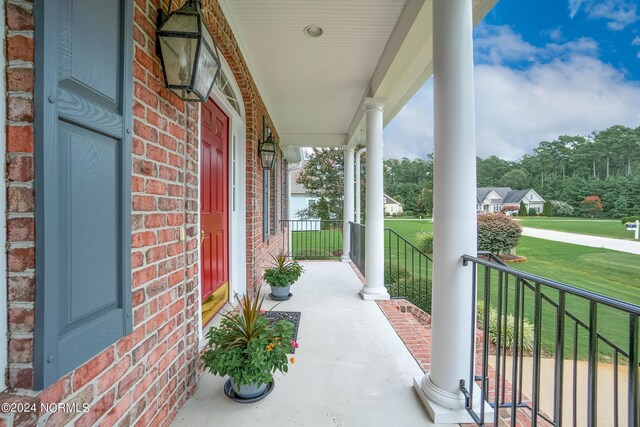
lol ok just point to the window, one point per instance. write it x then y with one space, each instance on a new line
224 86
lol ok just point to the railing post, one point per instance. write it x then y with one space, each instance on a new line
634 405
348 203
592 399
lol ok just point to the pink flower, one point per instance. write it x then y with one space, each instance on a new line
263 311
294 344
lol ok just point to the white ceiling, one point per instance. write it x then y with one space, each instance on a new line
313 85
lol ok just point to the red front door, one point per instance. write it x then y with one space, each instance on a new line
214 196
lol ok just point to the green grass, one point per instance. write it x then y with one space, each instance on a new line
594 227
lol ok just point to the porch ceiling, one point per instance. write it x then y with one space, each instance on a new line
314 87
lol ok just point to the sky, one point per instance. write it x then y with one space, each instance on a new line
543 68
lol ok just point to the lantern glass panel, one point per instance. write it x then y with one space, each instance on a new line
178 55
206 71
184 20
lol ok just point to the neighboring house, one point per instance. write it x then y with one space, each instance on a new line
493 199
392 207
300 200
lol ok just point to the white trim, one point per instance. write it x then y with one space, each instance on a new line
3 201
237 218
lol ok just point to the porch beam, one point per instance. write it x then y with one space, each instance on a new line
454 215
374 232
348 203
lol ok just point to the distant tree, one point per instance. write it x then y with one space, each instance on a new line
323 177
547 210
523 209
560 208
509 208
518 179
592 206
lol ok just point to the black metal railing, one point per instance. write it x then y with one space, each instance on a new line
407 270
356 241
311 239
545 355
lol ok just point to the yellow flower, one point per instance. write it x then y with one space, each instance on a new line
292 360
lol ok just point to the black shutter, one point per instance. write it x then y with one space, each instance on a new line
265 205
84 54
274 230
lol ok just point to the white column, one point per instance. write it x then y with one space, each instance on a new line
348 203
358 189
374 230
454 214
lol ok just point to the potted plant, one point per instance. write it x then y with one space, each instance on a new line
249 349
282 275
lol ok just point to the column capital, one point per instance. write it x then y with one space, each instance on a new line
375 103
347 148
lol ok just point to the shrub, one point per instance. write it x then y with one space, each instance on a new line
627 219
560 208
425 241
310 254
532 212
523 210
497 233
547 210
408 213
509 208
592 206
507 329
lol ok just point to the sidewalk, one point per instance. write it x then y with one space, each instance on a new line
629 246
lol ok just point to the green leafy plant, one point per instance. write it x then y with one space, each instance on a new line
425 241
507 329
284 272
630 219
497 233
309 254
247 346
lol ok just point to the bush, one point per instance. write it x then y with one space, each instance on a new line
425 241
309 254
559 208
532 212
497 233
523 210
408 213
547 210
627 219
507 329
509 208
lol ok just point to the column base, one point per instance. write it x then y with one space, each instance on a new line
367 295
447 408
345 258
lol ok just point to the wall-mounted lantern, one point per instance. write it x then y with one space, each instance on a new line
267 148
189 56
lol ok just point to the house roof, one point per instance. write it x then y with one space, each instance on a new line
506 194
388 200
314 88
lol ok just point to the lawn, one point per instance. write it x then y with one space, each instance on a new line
611 273
594 227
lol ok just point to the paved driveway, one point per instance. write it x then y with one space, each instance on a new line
632 247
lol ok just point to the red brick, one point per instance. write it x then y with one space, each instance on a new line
55 393
92 368
144 348
138 297
143 203
127 343
156 355
156 153
20 169
20 80
142 239
96 410
117 412
20 139
176 131
156 187
176 278
141 277
21 229
174 249
20 350
19 109
137 184
137 259
156 120
21 377
110 377
145 61
168 173
144 131
156 254
176 161
155 220
19 18
156 321
20 199
21 319
21 288
143 385
175 219
145 95
175 190
137 146
21 259
166 204
176 307
144 167
20 47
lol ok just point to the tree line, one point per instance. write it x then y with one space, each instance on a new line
605 163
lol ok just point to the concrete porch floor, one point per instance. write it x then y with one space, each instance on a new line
351 369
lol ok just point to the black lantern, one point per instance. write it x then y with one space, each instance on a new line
267 148
189 56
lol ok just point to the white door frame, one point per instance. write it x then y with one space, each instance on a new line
237 169
3 200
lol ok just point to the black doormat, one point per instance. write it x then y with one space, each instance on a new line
291 316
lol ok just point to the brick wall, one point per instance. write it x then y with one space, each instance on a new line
145 377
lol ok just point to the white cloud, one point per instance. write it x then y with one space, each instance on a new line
499 43
618 13
564 89
635 42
